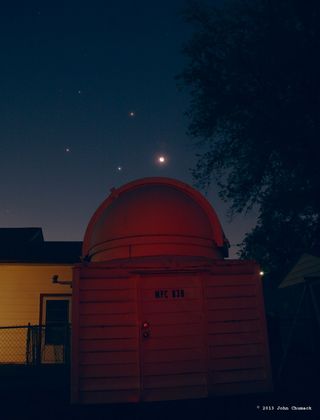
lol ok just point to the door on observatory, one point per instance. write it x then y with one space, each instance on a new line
172 345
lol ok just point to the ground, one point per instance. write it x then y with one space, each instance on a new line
34 404
32 393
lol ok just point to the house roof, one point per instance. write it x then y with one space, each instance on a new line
25 235
28 245
307 266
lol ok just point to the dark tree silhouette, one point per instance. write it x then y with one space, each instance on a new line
253 73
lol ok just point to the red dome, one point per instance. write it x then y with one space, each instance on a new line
154 216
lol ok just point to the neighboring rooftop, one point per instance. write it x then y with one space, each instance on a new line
28 245
308 265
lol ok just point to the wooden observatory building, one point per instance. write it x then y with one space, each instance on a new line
158 313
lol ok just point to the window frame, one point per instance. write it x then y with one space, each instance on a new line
52 296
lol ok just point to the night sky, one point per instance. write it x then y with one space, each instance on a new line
88 101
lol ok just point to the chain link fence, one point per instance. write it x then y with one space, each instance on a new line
35 344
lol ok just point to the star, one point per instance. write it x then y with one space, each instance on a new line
119 168
79 92
67 150
132 114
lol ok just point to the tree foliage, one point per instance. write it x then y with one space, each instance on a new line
253 74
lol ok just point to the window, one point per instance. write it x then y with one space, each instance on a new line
57 321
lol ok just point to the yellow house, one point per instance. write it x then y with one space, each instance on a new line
34 311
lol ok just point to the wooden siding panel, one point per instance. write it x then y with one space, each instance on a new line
186 305
105 357
234 326
169 281
105 283
173 342
107 340
109 370
107 295
236 351
235 363
119 344
239 376
191 339
105 320
169 368
233 268
237 343
177 318
174 393
98 307
104 332
233 314
176 329
235 338
231 280
232 303
172 355
231 291
170 381
109 384
93 271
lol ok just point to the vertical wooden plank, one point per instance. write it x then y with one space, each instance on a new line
264 331
173 294
229 341
202 280
137 283
75 394
109 341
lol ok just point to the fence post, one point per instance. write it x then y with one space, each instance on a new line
39 345
28 345
67 347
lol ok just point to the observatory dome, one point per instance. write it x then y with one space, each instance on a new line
153 217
